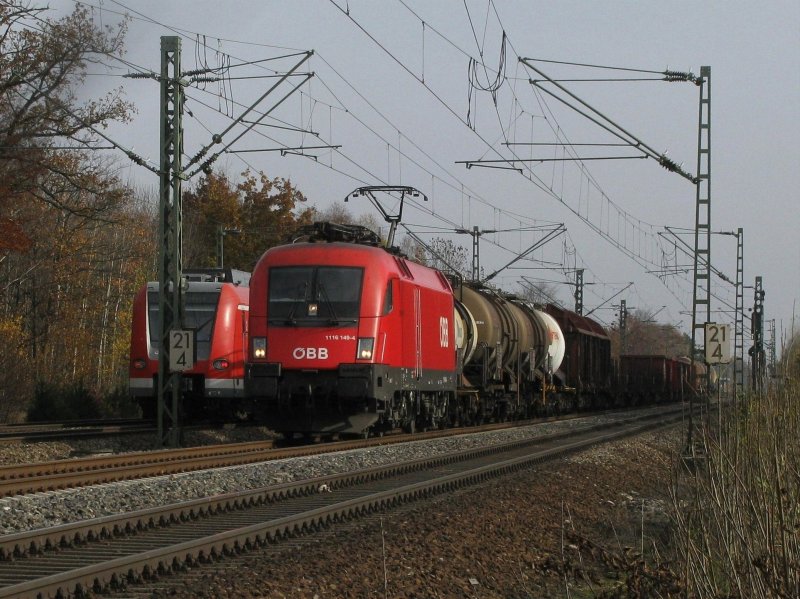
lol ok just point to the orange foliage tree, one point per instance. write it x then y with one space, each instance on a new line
264 211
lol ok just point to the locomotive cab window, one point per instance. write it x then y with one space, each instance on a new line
388 299
314 295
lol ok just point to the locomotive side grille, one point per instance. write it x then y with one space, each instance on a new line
404 270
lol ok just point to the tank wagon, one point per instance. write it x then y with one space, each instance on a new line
346 336
510 351
216 306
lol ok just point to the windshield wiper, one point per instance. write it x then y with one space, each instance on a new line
204 325
290 320
332 320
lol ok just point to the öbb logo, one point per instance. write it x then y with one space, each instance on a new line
310 353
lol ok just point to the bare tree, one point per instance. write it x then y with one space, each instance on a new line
540 292
42 62
445 255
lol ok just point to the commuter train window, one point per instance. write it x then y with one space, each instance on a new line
314 296
153 317
199 312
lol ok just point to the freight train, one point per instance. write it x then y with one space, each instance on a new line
346 336
216 308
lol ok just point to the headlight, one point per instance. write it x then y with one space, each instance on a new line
365 345
221 364
139 364
259 348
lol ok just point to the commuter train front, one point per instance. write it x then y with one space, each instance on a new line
216 308
347 337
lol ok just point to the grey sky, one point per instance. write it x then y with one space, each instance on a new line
368 97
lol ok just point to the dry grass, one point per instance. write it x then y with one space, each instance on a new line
737 514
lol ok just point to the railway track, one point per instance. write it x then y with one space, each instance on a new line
106 553
73 429
78 472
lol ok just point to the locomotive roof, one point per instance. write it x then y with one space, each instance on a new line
355 254
223 275
212 278
194 286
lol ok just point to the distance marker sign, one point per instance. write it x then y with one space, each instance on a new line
718 343
181 350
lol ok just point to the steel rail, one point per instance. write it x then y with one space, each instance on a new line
22 433
62 474
62 424
314 509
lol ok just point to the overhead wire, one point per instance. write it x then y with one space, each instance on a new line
366 170
186 33
604 196
622 246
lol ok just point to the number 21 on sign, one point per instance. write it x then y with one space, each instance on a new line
181 350
718 343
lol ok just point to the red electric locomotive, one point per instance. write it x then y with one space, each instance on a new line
347 336
216 305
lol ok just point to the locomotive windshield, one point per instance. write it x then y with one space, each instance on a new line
200 308
314 295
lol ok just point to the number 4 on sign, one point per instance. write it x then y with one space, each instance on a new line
718 343
181 350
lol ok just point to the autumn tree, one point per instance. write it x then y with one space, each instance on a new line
70 245
212 206
42 63
263 211
271 210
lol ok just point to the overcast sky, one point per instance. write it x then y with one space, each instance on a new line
395 87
